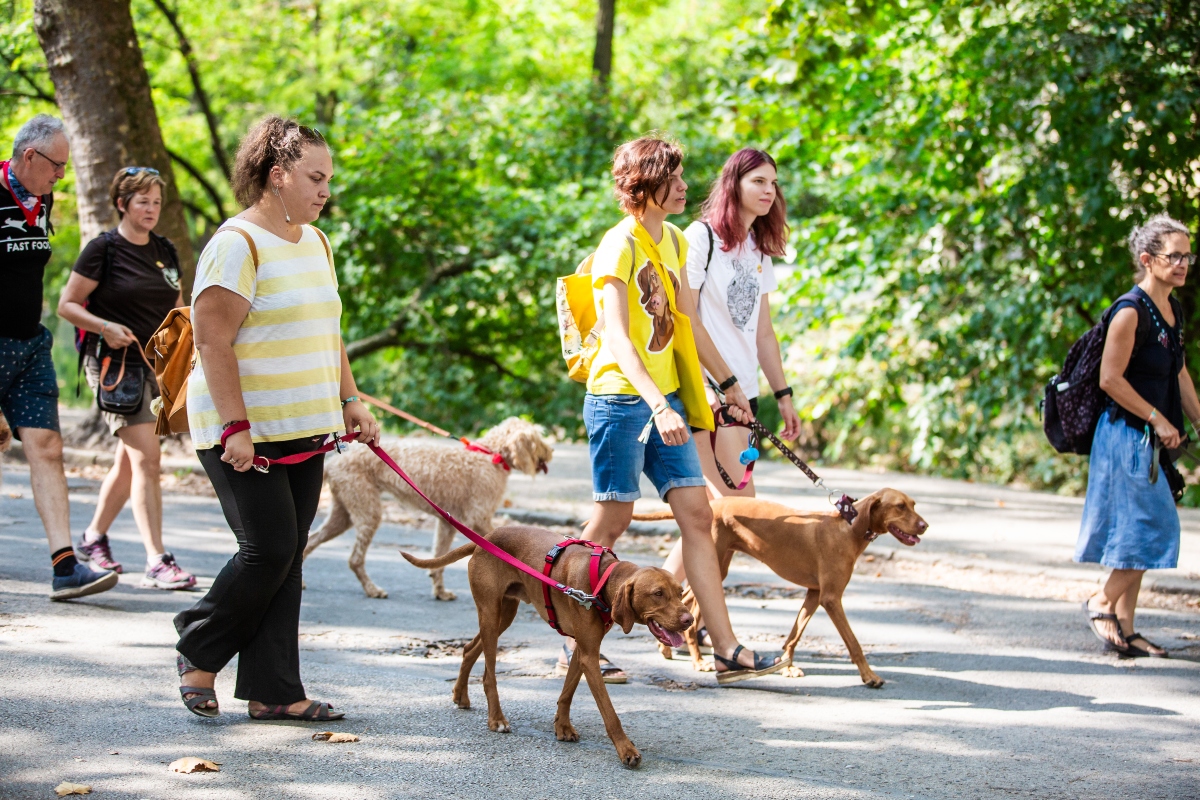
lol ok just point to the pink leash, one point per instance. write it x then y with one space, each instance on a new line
263 464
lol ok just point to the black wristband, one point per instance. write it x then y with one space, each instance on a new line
727 383
784 392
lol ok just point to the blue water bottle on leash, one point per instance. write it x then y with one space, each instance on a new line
750 454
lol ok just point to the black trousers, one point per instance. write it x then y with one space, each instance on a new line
253 607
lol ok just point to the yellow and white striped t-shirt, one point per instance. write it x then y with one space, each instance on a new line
289 346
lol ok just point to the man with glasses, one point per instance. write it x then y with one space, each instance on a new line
28 384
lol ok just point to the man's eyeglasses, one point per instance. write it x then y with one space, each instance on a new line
131 171
1175 259
57 164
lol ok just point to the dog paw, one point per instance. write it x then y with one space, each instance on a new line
375 591
873 681
704 666
667 652
792 672
499 725
629 755
565 732
462 700
444 594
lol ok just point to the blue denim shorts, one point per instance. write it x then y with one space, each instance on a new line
28 385
614 422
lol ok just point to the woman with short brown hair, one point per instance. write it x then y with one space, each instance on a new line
124 283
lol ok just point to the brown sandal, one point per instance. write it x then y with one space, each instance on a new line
316 712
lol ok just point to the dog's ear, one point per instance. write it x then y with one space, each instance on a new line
523 447
622 607
865 522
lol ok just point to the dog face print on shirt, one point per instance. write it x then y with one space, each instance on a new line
743 290
654 302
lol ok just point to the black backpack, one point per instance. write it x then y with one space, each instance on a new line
1074 400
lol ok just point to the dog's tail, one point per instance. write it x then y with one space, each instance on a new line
655 515
437 563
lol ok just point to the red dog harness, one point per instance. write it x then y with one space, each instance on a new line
596 580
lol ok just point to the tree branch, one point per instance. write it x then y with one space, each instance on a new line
209 189
200 212
38 92
480 358
185 50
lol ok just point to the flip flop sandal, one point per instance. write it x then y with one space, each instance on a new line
1092 616
200 694
701 637
1134 651
316 712
608 671
734 672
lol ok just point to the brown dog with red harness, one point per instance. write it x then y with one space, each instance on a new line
814 549
620 592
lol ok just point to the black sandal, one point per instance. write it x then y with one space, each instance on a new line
1133 651
734 672
316 712
199 694
1092 616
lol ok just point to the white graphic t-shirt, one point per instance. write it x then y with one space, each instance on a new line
730 299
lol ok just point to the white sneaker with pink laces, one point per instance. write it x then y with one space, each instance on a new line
164 573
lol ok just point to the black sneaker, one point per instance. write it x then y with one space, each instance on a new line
83 581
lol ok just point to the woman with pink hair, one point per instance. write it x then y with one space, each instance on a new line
742 226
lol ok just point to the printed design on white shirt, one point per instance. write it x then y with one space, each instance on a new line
743 292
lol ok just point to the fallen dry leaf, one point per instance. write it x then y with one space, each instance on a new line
16 496
334 738
65 788
193 764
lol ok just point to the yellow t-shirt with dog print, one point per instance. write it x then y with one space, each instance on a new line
651 323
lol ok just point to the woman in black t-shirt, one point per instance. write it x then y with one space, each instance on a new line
125 282
1129 518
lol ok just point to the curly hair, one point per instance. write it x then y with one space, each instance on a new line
642 171
130 181
273 141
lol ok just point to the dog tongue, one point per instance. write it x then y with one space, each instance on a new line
669 638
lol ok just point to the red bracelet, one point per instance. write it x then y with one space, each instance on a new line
232 428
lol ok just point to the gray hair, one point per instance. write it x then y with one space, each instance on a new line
38 132
1148 238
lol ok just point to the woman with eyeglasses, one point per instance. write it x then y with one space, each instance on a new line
1130 523
124 283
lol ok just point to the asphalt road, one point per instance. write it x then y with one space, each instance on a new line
988 694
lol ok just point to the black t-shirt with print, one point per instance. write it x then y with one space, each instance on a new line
24 252
141 286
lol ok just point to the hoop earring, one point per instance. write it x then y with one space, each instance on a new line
287 218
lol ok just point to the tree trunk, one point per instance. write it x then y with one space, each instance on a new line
606 12
103 91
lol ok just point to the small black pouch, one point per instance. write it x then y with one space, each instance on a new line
122 375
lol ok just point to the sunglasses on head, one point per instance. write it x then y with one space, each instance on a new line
136 170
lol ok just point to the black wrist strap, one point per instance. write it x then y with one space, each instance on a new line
727 383
784 392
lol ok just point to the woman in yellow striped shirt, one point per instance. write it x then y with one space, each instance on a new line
271 379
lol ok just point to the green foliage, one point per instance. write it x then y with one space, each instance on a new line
969 173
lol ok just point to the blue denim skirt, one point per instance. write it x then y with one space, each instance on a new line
1128 522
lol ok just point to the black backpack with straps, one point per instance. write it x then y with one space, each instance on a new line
1073 399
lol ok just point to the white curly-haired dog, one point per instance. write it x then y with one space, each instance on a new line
464 482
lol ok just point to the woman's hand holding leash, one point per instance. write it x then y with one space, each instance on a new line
358 418
1166 432
116 335
239 450
739 404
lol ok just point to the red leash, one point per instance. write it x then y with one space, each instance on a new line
263 464
497 459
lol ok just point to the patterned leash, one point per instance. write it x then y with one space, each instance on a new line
844 504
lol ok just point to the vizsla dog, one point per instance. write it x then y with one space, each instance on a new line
643 595
814 549
467 483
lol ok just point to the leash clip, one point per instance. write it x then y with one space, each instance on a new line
579 596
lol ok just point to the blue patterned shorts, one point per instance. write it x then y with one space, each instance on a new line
28 385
